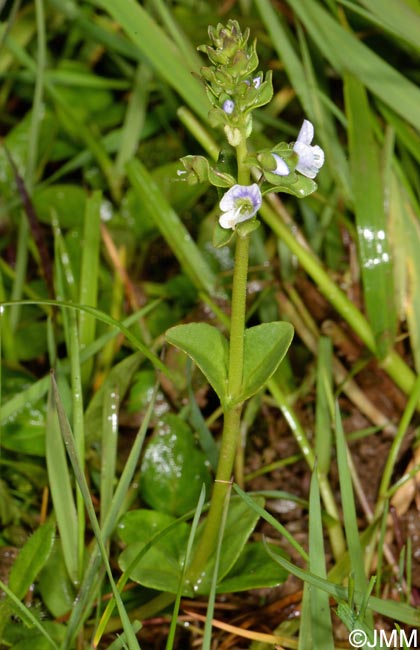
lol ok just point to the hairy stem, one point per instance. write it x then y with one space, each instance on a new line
232 416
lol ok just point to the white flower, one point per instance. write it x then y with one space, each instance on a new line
239 203
281 168
311 158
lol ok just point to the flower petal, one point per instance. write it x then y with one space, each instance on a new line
306 133
281 168
311 159
228 219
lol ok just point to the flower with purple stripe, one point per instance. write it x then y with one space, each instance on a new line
240 203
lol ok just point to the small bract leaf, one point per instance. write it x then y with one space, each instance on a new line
208 348
264 348
301 188
222 236
220 179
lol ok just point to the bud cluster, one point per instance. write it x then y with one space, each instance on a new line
233 87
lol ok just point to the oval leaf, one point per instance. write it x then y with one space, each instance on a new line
173 469
252 571
264 348
241 521
161 566
208 348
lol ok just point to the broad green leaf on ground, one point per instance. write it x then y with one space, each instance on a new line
31 559
64 202
55 586
174 468
264 348
161 566
28 637
25 434
371 222
241 521
208 348
252 571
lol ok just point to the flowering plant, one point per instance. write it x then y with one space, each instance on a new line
239 367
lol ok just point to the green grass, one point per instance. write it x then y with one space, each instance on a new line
98 101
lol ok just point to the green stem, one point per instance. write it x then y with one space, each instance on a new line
232 417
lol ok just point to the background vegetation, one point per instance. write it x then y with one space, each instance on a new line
102 250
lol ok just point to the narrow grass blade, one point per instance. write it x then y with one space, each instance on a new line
188 53
61 492
349 510
171 636
324 385
322 635
134 118
307 87
346 53
372 230
37 107
88 291
93 144
335 531
405 229
305 627
157 47
109 451
394 365
105 318
390 608
73 347
171 227
90 581
398 17
207 641
271 520
84 488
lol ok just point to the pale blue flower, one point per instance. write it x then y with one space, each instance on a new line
229 106
281 168
240 203
311 158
